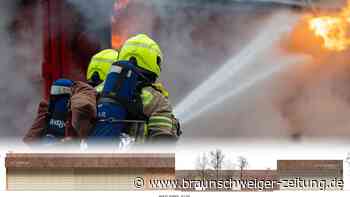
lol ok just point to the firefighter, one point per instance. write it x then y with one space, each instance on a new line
147 56
81 113
99 66
67 116
153 107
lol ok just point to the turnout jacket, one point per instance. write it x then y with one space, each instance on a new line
161 122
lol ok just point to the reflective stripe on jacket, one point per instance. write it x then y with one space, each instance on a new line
158 110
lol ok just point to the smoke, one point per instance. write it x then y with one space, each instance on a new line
196 36
20 51
320 105
96 19
299 97
309 97
231 74
196 39
304 98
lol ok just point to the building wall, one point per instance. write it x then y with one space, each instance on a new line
310 174
159 174
82 179
247 175
309 183
40 179
290 175
106 179
101 172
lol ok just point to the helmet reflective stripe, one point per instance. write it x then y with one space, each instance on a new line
59 90
103 60
143 45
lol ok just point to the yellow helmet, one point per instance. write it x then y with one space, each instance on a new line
146 52
101 63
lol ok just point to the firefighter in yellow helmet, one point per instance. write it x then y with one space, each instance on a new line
147 56
82 108
99 67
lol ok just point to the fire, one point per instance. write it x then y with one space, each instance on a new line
118 36
117 41
333 29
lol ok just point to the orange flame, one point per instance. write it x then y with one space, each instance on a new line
117 41
333 29
118 37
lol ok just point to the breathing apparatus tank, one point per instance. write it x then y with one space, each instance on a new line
59 104
112 107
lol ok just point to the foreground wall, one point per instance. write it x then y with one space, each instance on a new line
86 171
310 174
